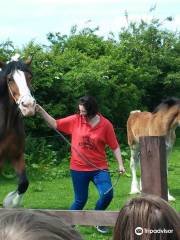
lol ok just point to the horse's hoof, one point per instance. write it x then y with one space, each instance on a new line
12 200
134 192
17 201
8 200
171 198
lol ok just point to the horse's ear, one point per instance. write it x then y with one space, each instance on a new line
2 64
28 61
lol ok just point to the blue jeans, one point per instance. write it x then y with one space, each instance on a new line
101 180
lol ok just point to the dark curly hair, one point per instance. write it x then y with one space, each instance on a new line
90 105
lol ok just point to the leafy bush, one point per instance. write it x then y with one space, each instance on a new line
134 72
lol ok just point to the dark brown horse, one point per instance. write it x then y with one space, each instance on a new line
15 101
162 122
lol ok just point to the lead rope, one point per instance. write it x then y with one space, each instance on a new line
84 158
11 92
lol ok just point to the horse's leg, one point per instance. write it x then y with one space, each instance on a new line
140 184
14 199
133 166
168 151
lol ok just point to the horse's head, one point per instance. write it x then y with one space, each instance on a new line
174 108
18 77
178 116
171 109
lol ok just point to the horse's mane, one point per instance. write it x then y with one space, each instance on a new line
12 66
3 83
167 103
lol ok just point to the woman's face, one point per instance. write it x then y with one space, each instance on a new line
82 110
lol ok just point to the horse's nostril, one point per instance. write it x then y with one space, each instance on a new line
24 104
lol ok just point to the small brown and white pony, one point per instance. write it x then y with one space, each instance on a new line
162 122
15 101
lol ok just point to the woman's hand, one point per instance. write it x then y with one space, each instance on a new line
121 169
38 108
51 122
117 154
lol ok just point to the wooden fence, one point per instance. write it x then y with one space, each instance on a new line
82 217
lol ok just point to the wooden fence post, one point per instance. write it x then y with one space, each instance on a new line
153 166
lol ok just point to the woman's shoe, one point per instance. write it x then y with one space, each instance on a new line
102 229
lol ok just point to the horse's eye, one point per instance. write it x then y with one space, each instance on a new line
29 76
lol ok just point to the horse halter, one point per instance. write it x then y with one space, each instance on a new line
9 78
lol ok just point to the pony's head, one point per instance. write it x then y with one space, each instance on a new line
18 75
172 105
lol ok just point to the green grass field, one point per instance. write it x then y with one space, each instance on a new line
58 193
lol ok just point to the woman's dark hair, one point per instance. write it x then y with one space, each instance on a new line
90 105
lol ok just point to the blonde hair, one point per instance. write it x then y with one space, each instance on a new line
149 213
21 224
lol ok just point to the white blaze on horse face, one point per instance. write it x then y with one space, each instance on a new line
26 102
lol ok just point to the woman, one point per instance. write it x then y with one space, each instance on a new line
90 133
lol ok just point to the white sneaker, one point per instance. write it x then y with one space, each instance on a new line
102 229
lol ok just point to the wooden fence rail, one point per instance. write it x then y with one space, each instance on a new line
83 217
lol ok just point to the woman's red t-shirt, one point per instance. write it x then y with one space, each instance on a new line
88 143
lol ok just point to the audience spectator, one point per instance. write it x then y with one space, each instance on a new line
147 218
23 224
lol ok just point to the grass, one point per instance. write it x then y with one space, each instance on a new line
58 193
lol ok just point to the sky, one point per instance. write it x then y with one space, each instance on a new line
24 20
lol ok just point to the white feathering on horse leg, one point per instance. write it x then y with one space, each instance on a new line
170 197
8 200
16 202
133 166
134 188
12 200
140 185
134 184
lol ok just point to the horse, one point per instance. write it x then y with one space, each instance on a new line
16 101
163 121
